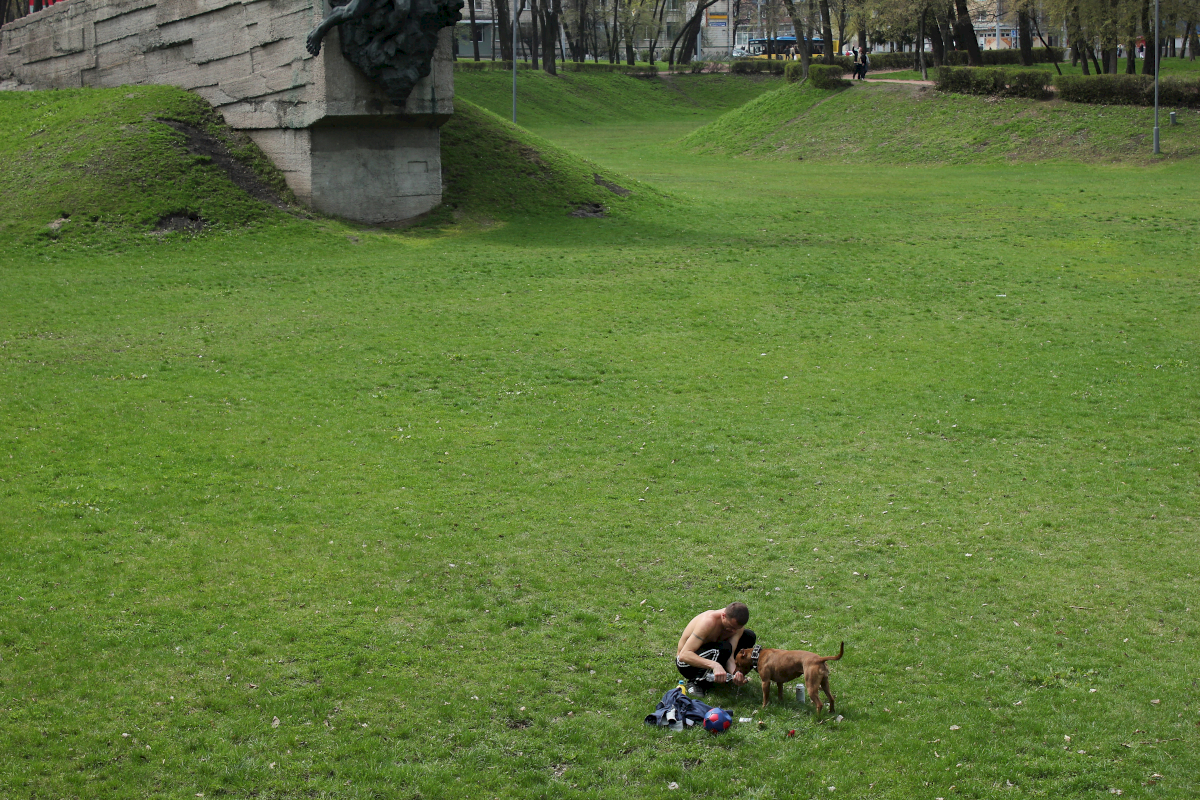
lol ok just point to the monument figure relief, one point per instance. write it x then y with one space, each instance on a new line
391 41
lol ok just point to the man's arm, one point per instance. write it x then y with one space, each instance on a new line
731 667
688 655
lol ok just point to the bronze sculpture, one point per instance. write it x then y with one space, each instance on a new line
392 41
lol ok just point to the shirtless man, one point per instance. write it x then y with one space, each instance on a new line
708 643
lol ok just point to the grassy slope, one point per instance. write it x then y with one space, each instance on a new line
1170 66
896 123
581 98
440 504
493 168
102 158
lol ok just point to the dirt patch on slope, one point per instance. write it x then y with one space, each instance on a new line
201 143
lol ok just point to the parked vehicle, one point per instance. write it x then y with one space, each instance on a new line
780 47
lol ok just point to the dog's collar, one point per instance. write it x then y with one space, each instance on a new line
754 656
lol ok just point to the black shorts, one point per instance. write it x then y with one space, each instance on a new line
720 652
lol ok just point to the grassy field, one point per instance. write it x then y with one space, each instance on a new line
1181 67
903 123
294 507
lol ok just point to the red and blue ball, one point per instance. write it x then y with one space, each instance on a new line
717 720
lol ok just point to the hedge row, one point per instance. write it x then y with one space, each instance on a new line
822 76
641 70
1003 83
1128 90
753 66
1041 55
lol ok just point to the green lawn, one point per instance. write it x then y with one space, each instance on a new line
1170 66
296 508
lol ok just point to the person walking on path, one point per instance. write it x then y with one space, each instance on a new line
861 64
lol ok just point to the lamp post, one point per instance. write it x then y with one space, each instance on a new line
1157 66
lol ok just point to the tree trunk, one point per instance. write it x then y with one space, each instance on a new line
1078 54
533 34
550 37
1025 35
826 31
965 34
801 38
842 24
935 40
946 28
1049 52
921 46
657 16
504 27
688 34
1172 26
474 29
1151 63
1095 60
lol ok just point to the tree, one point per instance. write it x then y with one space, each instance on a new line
964 33
826 31
802 40
1025 34
474 29
687 35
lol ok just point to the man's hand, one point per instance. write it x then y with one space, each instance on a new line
739 679
719 674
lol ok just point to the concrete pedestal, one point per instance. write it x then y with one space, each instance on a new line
343 147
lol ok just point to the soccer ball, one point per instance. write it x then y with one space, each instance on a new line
717 720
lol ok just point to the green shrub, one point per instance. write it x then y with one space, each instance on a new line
822 76
1002 83
1128 90
754 66
1041 55
826 76
638 71
896 60
697 67
1028 83
1177 92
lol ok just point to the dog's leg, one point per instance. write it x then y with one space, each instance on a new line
829 694
813 688
780 685
766 687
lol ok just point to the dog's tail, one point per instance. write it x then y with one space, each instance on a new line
841 651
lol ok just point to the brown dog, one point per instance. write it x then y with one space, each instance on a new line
781 666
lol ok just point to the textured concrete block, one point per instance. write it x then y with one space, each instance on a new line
114 54
289 149
277 54
132 23
169 58
167 11
99 12
376 174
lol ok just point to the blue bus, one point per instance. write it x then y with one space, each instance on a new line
782 46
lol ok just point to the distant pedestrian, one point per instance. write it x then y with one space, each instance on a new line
792 53
862 64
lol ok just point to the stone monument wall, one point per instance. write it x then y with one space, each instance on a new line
344 148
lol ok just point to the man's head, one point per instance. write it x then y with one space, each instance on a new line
736 615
